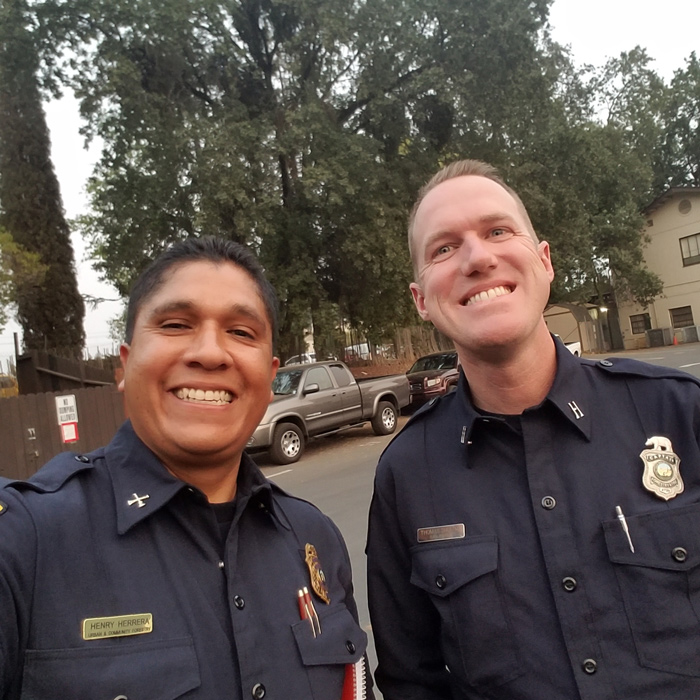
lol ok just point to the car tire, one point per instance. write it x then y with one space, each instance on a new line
287 444
385 419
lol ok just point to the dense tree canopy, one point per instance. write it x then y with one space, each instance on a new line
303 128
19 270
50 313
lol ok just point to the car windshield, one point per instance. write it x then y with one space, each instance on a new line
446 360
286 383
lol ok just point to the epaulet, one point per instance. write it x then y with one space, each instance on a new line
426 408
4 481
57 471
627 367
418 415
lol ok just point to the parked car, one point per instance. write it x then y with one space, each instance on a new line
322 398
433 375
574 347
304 359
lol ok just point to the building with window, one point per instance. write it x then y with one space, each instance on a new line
673 253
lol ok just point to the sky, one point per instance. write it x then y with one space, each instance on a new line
595 30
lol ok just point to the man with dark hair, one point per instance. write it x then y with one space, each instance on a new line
165 565
533 535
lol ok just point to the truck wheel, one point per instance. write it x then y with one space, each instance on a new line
384 420
288 444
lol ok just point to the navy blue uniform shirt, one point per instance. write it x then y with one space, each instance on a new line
542 598
76 544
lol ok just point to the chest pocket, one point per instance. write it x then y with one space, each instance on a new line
325 656
462 580
162 670
660 585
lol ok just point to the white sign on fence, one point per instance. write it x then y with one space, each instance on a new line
66 409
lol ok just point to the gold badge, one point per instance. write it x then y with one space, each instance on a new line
119 626
318 578
3 507
662 475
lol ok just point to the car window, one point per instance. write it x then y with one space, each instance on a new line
286 383
319 375
341 375
447 360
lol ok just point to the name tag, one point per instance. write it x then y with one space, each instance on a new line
119 626
441 532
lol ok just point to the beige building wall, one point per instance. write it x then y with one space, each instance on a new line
673 216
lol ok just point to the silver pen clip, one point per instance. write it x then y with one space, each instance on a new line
623 522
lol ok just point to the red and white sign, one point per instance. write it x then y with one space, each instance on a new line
69 432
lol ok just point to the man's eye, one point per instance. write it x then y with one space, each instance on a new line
499 232
443 249
175 325
242 333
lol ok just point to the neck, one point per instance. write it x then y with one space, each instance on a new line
509 381
218 483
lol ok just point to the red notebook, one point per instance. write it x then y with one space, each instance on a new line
355 685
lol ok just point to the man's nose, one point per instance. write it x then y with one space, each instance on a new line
209 348
476 255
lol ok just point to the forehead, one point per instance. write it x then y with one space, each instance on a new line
464 199
202 284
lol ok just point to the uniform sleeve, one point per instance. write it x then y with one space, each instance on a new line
405 625
17 562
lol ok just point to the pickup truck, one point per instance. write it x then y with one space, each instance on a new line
574 347
322 398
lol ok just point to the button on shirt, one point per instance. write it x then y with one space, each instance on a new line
543 597
224 610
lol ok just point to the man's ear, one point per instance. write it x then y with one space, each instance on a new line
124 357
546 258
419 301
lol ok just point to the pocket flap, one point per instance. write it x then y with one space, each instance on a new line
442 568
342 640
667 539
159 670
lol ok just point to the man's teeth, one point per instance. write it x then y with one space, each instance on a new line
209 396
488 294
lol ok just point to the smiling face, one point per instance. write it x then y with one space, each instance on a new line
198 370
482 280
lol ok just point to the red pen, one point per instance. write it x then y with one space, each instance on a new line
304 612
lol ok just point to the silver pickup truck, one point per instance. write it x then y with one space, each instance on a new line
322 398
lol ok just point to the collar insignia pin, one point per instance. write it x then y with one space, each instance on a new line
318 578
578 413
662 475
140 501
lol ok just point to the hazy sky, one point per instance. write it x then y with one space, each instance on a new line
595 30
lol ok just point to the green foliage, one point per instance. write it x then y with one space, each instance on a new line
303 129
50 313
683 130
19 270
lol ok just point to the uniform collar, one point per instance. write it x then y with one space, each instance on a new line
571 394
139 477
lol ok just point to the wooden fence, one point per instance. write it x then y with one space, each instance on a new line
30 433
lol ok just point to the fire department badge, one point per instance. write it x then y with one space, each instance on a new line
662 475
318 578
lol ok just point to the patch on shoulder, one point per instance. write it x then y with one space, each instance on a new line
3 507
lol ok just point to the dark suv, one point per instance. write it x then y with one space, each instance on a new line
432 375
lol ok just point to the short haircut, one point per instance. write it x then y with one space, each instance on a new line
204 249
462 168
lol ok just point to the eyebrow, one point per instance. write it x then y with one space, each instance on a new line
184 305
